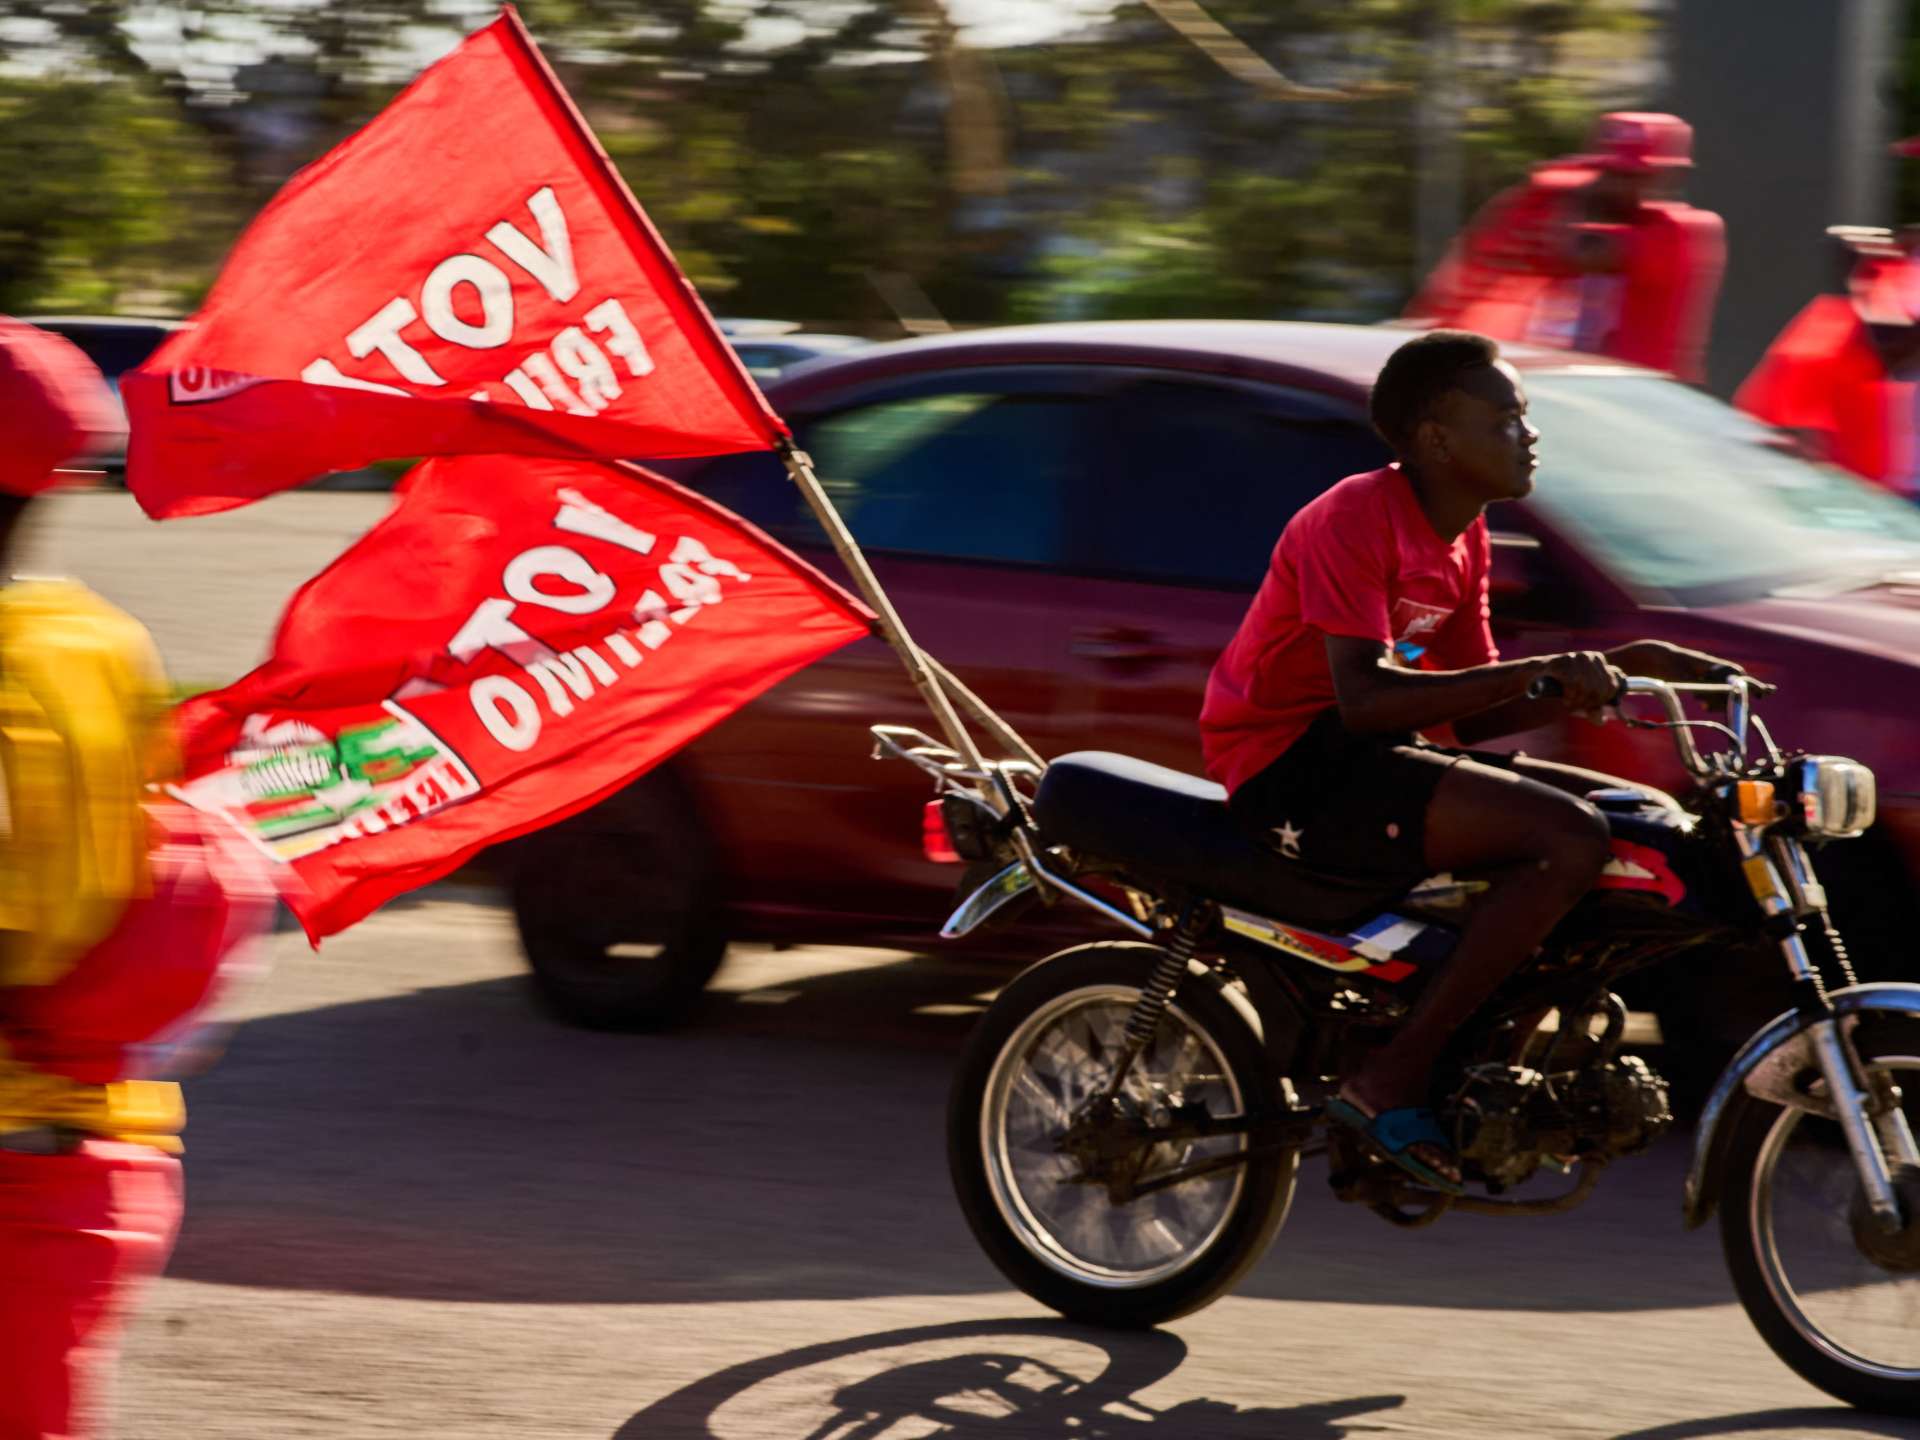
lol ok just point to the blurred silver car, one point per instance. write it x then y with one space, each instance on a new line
766 347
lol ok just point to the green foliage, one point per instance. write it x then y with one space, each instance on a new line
1906 207
1121 172
110 196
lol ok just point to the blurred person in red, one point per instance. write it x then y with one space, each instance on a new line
1842 374
118 912
1594 252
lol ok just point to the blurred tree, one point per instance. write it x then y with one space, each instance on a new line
112 201
1307 208
1906 191
798 153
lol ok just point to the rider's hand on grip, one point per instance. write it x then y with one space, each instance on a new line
1581 678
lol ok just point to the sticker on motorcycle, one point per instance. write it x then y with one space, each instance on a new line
1384 949
1640 867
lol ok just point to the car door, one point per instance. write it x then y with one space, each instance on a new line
1201 475
956 486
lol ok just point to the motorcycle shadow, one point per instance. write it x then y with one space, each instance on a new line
1802 1420
978 1380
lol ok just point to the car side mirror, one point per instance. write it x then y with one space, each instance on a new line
1525 588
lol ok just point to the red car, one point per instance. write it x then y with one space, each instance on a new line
1073 518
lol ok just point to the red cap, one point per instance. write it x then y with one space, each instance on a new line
1909 147
1639 142
54 406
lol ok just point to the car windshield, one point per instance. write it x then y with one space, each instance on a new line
1676 493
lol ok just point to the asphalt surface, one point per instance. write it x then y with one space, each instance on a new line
418 1207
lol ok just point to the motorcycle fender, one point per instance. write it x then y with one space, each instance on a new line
1011 884
1715 1130
1280 1022
1271 1016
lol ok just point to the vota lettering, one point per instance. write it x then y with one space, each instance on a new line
561 579
467 300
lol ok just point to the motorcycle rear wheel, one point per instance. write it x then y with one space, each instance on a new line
1832 1297
1044 1049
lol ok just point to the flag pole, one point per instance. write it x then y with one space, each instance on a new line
695 317
981 711
800 467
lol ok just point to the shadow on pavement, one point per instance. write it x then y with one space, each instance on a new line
981 1379
453 1144
1833 1421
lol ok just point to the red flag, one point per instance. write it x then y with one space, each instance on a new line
518 639
468 274
1823 376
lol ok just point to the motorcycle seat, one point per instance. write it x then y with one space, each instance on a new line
1165 826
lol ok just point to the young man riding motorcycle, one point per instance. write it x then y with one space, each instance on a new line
1371 627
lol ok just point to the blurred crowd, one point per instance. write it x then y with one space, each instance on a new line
1599 253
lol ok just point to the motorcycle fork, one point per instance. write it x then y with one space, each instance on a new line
1868 1112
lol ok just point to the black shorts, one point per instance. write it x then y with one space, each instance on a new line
1346 802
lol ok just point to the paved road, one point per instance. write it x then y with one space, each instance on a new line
210 588
418 1208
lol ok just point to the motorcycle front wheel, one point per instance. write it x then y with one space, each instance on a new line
1836 1297
1038 1062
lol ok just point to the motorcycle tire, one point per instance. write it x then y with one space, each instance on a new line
1802 1329
1022 1218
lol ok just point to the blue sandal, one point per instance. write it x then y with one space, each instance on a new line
1392 1134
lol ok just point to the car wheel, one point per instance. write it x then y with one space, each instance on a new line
619 911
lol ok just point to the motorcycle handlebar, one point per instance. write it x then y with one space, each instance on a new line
1727 681
1735 685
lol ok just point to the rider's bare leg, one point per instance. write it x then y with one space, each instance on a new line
1576 781
1542 849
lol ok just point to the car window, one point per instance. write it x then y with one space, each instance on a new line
1203 477
1679 494
977 475
754 485
114 348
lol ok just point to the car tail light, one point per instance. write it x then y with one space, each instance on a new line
934 841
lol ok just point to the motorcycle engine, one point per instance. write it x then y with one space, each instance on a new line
1509 1120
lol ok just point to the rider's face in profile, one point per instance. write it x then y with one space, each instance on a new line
1484 435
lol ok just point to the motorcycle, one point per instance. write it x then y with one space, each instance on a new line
1129 1118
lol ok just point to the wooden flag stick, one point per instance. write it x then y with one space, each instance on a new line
800 467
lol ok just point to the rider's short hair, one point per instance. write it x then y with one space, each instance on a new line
1417 375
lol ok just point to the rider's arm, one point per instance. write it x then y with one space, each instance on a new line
1376 696
1653 658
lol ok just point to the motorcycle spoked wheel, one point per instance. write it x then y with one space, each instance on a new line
1834 1298
1046 1048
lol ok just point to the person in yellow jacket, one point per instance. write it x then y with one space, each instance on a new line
118 910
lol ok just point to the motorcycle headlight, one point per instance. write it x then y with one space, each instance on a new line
1836 796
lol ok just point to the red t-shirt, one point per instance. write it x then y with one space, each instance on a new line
1360 560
